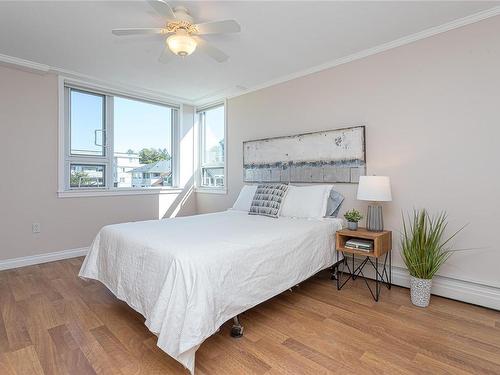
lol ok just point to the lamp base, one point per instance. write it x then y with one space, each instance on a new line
374 219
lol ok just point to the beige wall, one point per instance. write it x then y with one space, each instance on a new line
28 184
432 116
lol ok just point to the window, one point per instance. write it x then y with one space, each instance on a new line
82 175
212 155
87 123
114 142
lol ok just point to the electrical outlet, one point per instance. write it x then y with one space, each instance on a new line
36 227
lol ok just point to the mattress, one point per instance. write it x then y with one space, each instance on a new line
189 275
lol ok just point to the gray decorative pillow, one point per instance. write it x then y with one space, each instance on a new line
335 200
267 200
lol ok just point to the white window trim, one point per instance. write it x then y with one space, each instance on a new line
117 191
62 188
197 184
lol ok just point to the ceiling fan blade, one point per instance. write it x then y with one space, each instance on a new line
218 27
121 32
210 50
166 55
163 8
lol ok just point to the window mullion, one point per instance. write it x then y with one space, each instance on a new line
67 133
110 152
175 126
203 139
201 142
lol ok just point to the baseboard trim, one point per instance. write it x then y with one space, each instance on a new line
42 258
465 291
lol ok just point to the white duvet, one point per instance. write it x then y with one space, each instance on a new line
189 275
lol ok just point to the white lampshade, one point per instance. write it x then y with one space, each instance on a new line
374 188
181 43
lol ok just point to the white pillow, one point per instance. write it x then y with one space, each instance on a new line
306 201
245 198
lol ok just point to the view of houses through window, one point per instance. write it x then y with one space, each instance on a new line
142 144
132 148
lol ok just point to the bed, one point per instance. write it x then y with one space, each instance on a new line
189 275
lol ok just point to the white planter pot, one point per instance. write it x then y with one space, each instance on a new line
420 290
351 225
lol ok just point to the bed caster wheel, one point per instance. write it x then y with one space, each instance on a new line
237 331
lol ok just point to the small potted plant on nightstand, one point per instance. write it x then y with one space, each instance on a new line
352 217
424 250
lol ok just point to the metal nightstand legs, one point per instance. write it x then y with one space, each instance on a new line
384 278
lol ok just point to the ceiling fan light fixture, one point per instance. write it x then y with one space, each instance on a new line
181 43
184 36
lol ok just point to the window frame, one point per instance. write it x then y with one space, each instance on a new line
199 188
65 158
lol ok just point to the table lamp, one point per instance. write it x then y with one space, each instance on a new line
374 189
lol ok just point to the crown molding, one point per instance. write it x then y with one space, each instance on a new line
455 24
22 64
34 67
120 87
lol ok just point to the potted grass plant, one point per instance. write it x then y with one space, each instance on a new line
352 217
424 250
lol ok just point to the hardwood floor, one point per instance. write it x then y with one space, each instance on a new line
54 323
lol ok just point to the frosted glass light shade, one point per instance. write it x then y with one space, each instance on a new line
181 43
374 188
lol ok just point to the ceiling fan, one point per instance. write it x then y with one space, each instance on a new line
184 35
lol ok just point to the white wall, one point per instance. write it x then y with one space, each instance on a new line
432 116
28 183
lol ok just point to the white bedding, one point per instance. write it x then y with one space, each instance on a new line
189 275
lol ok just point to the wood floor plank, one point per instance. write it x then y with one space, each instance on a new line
14 323
466 328
410 337
438 367
152 359
93 351
45 287
232 358
5 366
313 355
52 322
255 329
280 356
4 340
75 309
485 317
25 361
114 348
19 288
69 351
382 365
40 317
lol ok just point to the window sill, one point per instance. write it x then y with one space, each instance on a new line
113 192
210 190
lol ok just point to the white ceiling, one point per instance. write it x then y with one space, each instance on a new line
277 38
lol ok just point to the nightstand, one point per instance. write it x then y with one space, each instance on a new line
382 246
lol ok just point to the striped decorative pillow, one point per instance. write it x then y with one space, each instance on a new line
267 200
